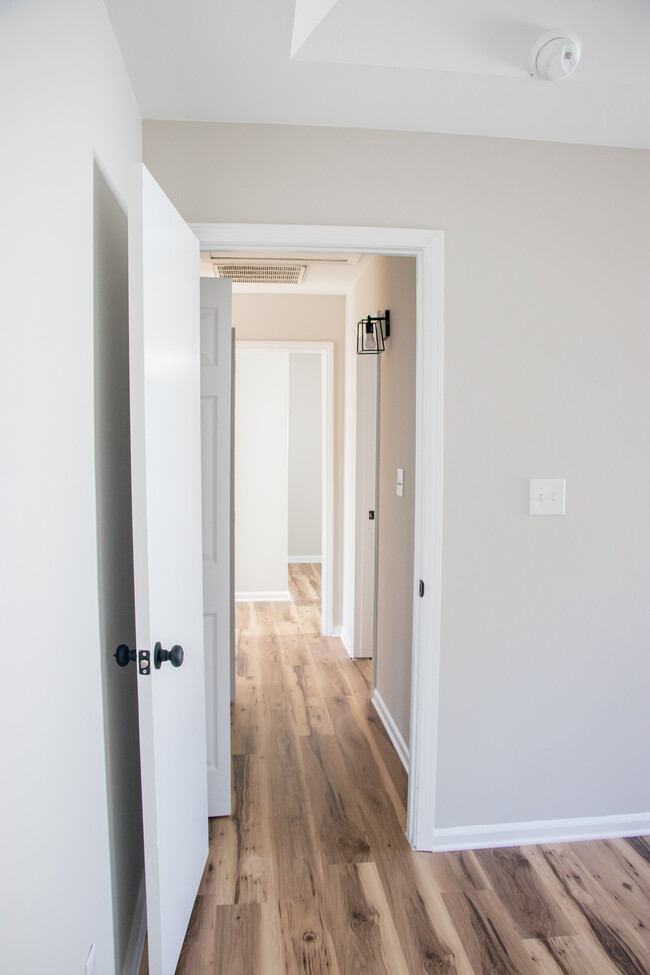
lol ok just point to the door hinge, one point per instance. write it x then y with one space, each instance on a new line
420 588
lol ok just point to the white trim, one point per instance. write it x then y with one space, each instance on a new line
344 637
427 248
365 495
326 352
299 559
392 730
135 946
544 831
425 672
327 464
263 597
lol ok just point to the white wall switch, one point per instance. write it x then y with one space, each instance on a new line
547 496
400 482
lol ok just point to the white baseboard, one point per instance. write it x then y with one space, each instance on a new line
262 597
135 946
544 831
305 558
392 730
344 638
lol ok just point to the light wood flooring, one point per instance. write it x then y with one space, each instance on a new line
312 873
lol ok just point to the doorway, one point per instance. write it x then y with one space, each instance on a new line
427 248
324 351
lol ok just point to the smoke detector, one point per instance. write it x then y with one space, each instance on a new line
555 55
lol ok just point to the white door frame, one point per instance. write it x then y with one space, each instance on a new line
427 248
326 352
364 633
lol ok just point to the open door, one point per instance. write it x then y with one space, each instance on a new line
216 452
166 486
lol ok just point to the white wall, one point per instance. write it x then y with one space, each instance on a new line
544 670
305 457
261 473
67 108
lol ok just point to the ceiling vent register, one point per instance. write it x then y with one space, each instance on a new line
261 273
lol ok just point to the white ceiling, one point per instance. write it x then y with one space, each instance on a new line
455 66
480 37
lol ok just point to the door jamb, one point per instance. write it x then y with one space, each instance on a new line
427 248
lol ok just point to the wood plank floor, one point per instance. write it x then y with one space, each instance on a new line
312 873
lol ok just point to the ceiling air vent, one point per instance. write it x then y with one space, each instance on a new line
261 273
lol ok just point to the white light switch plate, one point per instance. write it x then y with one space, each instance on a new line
547 496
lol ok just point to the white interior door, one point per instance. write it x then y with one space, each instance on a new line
216 466
166 485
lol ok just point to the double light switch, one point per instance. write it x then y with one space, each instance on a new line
547 496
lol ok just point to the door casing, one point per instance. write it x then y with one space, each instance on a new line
427 247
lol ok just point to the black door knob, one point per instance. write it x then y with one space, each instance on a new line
123 655
175 656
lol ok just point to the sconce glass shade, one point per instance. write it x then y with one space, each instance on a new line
370 336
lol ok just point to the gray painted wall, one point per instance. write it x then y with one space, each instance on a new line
545 627
115 556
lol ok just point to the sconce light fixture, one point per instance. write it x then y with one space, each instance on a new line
371 334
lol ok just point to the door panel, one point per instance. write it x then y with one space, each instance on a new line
216 451
166 487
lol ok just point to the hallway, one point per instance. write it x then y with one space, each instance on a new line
312 872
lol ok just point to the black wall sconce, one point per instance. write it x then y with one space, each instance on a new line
371 333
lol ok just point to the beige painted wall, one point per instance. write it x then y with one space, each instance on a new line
389 282
544 669
261 473
305 456
303 318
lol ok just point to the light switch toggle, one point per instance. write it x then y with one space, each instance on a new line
400 482
547 496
